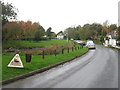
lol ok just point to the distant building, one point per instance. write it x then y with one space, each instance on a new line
45 36
60 35
119 13
110 38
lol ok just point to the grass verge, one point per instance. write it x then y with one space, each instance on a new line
99 43
36 63
22 43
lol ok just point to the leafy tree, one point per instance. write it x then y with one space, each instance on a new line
39 31
8 12
105 27
88 31
48 32
72 32
112 27
82 34
11 31
37 36
53 35
29 30
22 30
95 31
118 38
37 27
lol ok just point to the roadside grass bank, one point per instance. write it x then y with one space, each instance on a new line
33 47
23 43
37 62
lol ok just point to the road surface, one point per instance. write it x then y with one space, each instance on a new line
96 69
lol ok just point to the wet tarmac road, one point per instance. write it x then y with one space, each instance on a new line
96 69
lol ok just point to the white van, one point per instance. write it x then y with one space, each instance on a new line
90 44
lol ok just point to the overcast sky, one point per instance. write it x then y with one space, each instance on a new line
60 14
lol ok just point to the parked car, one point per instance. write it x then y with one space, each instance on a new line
83 43
80 42
89 41
91 45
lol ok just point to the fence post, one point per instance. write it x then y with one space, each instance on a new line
68 50
55 52
43 55
72 49
75 48
28 57
82 46
62 51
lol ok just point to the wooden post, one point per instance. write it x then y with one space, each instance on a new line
72 49
62 51
82 46
28 57
55 52
43 55
68 50
75 48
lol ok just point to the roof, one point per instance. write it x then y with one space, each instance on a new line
60 33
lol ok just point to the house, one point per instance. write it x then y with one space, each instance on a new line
45 36
110 39
60 35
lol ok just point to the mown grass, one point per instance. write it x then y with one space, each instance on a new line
22 43
99 43
36 63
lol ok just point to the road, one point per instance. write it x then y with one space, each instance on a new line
96 69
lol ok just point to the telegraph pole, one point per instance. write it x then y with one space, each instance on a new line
118 13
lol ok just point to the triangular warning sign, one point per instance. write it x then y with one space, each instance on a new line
16 62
